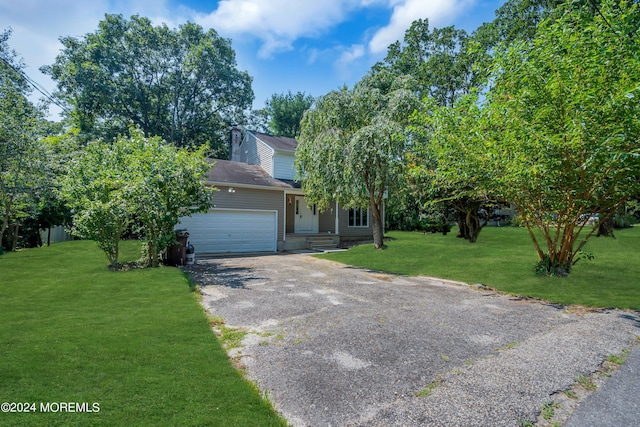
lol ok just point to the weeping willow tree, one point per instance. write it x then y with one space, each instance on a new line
351 146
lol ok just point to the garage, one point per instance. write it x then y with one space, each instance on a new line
232 231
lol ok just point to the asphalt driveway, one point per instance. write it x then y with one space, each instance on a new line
334 345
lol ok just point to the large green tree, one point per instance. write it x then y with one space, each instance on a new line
22 157
182 85
457 173
285 112
441 61
351 147
561 125
445 64
138 182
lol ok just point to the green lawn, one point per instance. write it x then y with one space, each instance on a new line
137 343
503 258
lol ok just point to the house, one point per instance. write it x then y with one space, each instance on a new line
261 208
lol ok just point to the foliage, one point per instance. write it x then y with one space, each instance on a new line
136 180
94 188
444 64
458 174
138 343
163 185
256 120
518 20
285 112
182 85
22 157
351 147
561 125
502 260
441 61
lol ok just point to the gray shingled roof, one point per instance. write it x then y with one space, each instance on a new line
225 171
278 143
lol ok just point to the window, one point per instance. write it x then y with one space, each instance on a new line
358 217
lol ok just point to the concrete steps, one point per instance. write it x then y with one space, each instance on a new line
323 243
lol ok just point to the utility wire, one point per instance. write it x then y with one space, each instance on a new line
37 86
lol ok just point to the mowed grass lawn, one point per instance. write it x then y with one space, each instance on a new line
137 343
503 258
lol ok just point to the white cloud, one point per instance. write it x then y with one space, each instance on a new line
439 13
278 23
351 54
347 64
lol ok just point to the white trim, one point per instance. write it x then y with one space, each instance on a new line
337 222
284 214
357 226
255 187
383 218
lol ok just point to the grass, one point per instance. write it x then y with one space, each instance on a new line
548 410
503 258
137 343
586 383
425 392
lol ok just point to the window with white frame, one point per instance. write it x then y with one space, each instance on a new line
358 217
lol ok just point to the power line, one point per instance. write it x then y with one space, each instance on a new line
37 86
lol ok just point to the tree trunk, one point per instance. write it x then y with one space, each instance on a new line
5 219
470 224
378 231
14 237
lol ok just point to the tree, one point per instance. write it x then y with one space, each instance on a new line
286 111
440 60
256 120
165 184
135 180
95 190
561 126
457 173
182 85
22 158
445 64
351 147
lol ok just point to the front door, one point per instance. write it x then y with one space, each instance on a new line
306 217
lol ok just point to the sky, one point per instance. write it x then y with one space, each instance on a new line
310 46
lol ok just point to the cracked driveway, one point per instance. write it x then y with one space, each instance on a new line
335 345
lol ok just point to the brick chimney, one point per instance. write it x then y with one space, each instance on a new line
234 144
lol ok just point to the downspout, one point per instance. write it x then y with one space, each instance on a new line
337 221
284 211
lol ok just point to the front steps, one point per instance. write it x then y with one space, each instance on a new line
323 243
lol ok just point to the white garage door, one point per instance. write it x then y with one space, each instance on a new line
221 231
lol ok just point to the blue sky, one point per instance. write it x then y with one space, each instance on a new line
312 46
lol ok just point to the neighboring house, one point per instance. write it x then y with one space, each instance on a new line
261 208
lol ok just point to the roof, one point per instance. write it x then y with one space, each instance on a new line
278 143
238 173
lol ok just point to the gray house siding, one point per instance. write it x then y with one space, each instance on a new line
290 216
352 232
256 152
327 220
